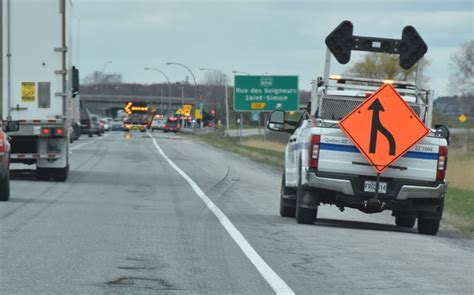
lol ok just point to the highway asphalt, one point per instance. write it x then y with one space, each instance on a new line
162 214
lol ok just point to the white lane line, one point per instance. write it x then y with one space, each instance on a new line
277 283
91 141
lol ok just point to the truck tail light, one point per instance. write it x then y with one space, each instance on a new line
314 151
442 163
45 131
59 131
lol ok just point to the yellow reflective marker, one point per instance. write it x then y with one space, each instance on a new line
257 105
462 118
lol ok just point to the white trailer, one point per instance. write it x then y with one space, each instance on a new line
38 82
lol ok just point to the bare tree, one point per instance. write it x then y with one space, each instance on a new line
381 66
215 77
98 77
462 63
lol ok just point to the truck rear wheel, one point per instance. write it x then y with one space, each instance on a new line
428 226
405 221
287 205
5 188
60 174
304 213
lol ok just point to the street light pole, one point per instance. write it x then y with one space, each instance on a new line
168 80
191 72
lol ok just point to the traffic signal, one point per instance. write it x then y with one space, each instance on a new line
410 48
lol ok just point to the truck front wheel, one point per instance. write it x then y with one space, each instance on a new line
5 188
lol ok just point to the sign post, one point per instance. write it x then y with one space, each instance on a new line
463 118
384 127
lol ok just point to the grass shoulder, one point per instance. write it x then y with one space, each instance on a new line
259 153
459 210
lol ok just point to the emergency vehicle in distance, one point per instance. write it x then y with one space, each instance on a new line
136 116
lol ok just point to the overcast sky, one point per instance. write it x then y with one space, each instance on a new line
278 37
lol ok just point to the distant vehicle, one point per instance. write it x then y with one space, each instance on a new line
323 166
74 131
105 123
136 121
157 124
172 125
116 125
97 125
87 126
5 150
39 87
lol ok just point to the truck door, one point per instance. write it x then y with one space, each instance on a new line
293 154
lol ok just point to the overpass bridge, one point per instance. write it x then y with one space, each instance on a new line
106 104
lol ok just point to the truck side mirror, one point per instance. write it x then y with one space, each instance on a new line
443 131
12 126
75 81
277 121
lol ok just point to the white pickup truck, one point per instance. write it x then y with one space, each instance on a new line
323 166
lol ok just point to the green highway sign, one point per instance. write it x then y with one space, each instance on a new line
266 93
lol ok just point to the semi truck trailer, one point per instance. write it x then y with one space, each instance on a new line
38 83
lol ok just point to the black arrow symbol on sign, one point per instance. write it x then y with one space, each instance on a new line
377 107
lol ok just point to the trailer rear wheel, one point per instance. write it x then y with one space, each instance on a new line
60 174
5 188
43 173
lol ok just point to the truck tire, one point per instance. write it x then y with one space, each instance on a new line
304 215
405 221
60 174
90 134
285 210
43 173
5 188
428 226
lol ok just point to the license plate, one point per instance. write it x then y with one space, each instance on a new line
369 186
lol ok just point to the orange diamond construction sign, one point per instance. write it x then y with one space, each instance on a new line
384 127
